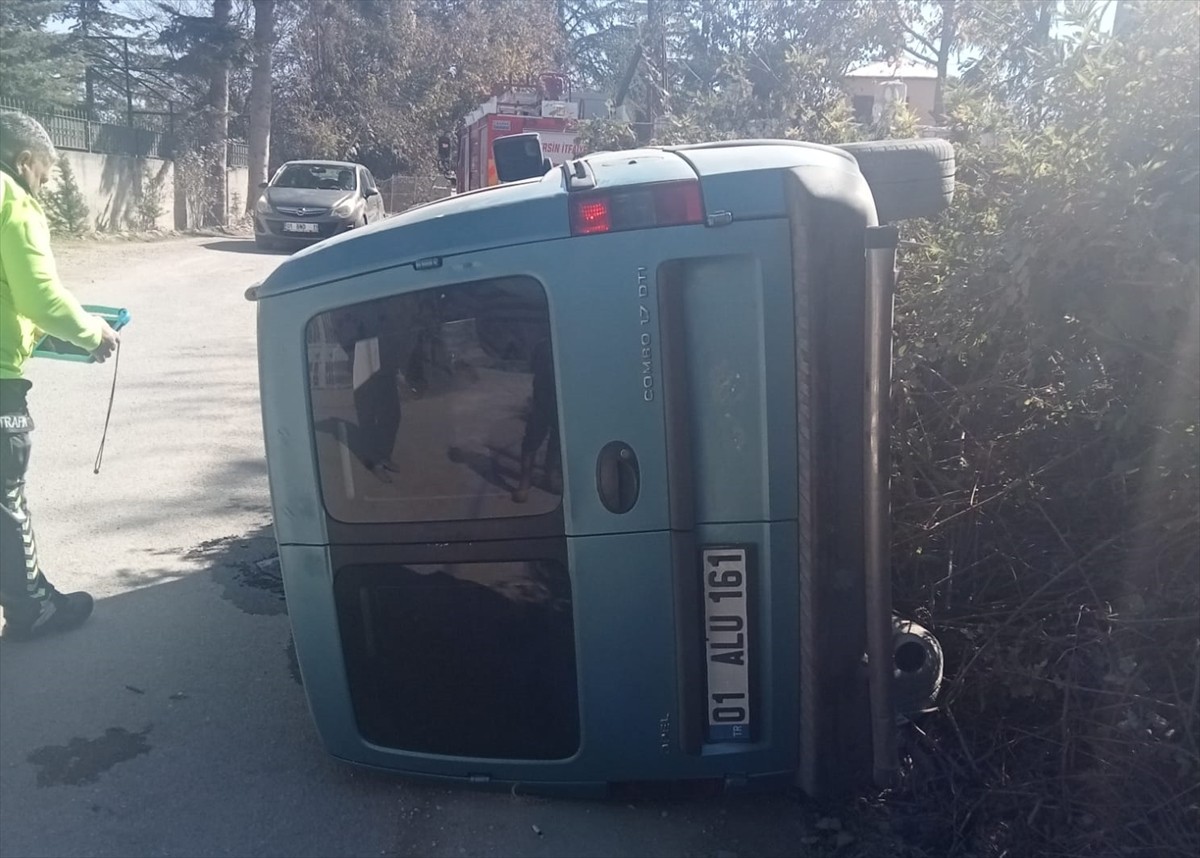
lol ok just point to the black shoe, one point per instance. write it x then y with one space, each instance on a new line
60 613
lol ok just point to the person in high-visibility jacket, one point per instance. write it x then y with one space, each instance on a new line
32 302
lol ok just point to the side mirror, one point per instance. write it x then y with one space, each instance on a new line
518 156
262 184
371 192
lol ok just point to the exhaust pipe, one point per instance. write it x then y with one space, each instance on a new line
916 668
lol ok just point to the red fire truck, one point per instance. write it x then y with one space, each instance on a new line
545 106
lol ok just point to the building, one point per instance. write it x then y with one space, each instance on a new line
868 88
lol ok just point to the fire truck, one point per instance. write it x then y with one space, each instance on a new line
545 106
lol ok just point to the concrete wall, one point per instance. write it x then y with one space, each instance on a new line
112 186
187 209
235 187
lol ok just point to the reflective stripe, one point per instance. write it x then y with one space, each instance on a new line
35 583
16 423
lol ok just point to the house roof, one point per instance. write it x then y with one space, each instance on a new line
899 70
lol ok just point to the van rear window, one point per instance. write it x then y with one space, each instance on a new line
437 405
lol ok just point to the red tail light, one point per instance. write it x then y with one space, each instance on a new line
590 215
639 207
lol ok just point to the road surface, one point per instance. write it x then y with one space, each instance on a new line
173 724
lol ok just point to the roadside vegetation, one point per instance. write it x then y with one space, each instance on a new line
1046 485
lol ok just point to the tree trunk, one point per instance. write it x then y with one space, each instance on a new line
1125 19
945 46
218 110
562 45
654 67
259 104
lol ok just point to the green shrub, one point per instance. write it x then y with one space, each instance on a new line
606 135
65 207
149 206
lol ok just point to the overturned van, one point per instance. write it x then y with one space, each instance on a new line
582 480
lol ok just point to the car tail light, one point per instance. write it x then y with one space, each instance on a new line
591 215
639 207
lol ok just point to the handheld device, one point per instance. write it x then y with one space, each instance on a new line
53 347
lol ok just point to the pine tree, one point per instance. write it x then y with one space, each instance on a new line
66 208
37 66
208 47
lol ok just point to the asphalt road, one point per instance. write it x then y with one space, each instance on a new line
174 724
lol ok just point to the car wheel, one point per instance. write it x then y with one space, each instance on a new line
908 178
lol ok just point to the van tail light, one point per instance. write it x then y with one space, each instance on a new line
638 207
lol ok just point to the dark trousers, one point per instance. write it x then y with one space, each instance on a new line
377 402
542 424
23 587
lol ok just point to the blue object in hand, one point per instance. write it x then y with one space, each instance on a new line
53 347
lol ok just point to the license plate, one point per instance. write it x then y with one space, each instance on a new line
300 227
727 644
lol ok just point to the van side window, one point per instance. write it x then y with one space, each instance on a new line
437 405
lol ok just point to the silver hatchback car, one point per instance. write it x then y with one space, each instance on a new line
308 201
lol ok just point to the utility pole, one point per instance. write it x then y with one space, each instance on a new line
654 39
90 103
128 84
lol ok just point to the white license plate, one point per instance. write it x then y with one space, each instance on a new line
727 644
300 227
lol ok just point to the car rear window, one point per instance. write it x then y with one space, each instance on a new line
437 405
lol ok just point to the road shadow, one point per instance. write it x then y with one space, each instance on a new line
173 724
244 245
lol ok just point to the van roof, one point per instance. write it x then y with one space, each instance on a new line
524 212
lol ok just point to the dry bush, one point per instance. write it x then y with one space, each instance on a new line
1047 484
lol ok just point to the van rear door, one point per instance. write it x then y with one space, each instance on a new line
679 441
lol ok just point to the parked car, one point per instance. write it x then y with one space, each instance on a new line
309 201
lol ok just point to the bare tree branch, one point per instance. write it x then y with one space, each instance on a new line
920 56
924 41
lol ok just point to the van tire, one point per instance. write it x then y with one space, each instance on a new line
908 178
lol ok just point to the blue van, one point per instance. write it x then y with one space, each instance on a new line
582 480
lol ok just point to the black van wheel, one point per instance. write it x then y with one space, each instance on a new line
908 178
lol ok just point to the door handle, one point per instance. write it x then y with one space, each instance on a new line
618 477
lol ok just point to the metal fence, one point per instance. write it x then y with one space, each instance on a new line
404 192
70 128
237 154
